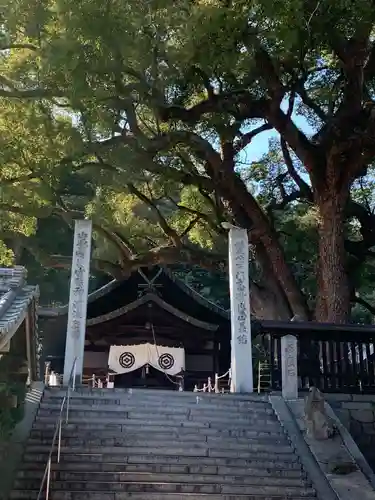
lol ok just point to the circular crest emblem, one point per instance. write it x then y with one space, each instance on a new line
166 361
126 360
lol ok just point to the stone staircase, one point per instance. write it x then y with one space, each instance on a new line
160 445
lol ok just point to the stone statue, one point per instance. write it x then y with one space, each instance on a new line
318 424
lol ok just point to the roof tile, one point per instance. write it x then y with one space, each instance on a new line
15 297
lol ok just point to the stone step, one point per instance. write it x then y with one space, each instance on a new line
144 394
167 414
44 434
255 445
257 460
193 408
265 469
188 450
195 399
162 445
141 422
162 487
196 403
165 421
99 426
32 480
93 495
106 420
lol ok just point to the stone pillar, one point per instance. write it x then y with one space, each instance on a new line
76 330
289 367
29 349
241 348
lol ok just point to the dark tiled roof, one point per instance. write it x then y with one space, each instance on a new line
63 310
15 297
114 284
146 299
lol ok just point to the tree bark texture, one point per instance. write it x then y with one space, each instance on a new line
333 300
267 298
249 214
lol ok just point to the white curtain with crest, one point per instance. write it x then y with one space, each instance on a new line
128 358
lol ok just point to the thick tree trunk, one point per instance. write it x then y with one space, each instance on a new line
267 298
287 281
265 304
333 295
243 203
321 304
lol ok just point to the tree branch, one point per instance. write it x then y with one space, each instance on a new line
286 199
206 81
170 255
305 151
165 255
246 139
216 204
353 54
123 247
367 220
14 180
39 212
132 119
200 215
303 186
170 232
105 266
190 226
270 75
310 103
157 144
201 146
28 46
30 94
359 300
369 69
239 104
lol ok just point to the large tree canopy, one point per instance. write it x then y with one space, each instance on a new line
143 112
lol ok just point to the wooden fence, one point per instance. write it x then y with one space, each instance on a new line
333 358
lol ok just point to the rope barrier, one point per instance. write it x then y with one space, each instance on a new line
179 383
213 388
97 381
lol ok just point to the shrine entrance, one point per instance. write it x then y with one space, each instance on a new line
145 378
146 365
150 307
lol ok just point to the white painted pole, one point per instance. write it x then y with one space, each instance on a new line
241 348
79 282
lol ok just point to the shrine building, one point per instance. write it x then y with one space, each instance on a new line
19 343
146 331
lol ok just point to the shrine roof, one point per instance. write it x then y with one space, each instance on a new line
15 297
155 299
161 282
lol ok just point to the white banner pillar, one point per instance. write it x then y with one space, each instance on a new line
79 283
241 348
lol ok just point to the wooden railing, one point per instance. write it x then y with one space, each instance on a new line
331 359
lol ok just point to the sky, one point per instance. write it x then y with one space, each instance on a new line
259 145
